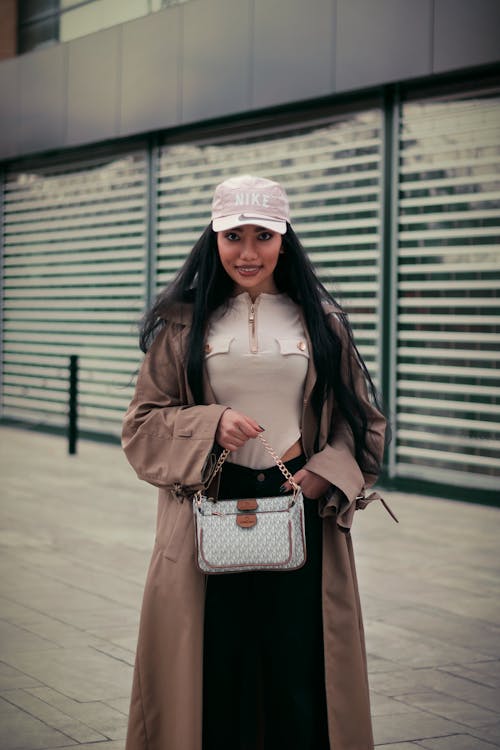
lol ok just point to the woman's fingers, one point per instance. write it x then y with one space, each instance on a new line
312 485
248 426
234 429
297 478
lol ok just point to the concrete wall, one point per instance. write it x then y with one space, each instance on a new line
209 58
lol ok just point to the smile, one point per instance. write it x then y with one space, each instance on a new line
248 270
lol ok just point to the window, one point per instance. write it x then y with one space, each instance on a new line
47 22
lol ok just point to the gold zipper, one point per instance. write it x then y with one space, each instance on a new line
252 313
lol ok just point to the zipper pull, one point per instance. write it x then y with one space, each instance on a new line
253 338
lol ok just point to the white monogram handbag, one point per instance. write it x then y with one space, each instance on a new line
265 533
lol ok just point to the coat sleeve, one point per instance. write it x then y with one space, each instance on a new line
168 442
336 462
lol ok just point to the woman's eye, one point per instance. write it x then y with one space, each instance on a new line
265 236
232 236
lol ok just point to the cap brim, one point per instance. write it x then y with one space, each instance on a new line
238 220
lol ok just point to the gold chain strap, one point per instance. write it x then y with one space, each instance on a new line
218 466
281 466
279 463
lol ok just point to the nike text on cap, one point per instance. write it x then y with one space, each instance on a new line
250 200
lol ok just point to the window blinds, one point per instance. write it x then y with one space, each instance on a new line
74 270
448 263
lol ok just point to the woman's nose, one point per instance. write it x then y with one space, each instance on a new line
248 249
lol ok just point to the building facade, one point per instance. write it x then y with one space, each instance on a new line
382 119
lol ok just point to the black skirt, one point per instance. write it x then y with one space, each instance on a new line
263 674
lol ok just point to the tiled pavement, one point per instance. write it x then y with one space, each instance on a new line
75 538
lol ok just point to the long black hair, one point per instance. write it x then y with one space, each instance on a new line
203 282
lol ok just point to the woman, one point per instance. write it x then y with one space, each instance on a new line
246 339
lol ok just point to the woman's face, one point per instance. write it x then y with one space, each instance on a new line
249 255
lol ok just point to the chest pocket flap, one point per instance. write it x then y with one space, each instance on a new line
293 346
218 345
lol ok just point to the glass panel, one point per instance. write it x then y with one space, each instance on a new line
449 278
97 15
39 34
44 21
38 24
75 246
34 9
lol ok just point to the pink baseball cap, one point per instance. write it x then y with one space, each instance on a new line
250 200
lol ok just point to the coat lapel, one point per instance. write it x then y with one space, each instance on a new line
308 421
209 395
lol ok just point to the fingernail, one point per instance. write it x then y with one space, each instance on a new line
262 428
282 488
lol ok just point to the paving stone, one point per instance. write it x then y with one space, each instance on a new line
456 742
82 674
54 718
450 707
445 626
20 731
488 734
115 652
120 704
122 636
485 673
381 705
106 720
409 648
86 576
11 679
106 745
18 639
419 680
12 611
466 690
74 566
106 615
414 725
379 664
56 632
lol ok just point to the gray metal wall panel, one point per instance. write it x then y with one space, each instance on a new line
9 98
216 58
150 82
293 50
382 41
93 91
232 57
42 89
466 33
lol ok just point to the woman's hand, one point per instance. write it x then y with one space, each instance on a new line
311 484
235 428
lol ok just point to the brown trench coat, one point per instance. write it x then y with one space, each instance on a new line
169 442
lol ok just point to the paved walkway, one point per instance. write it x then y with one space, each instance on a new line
75 539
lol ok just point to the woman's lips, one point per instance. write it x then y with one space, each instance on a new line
248 270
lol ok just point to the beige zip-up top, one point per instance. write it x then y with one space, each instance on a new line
257 359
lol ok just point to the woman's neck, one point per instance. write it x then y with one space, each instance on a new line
254 292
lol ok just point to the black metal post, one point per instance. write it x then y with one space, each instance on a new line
73 404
